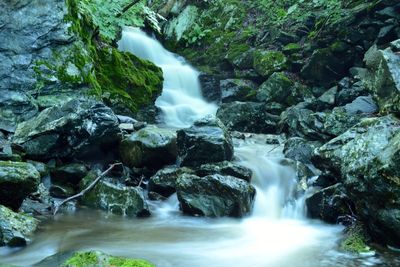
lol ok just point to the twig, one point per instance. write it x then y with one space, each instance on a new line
141 181
84 191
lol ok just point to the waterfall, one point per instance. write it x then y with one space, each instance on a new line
181 101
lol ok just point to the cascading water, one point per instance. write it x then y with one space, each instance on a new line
275 235
181 100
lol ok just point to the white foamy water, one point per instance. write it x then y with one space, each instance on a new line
181 100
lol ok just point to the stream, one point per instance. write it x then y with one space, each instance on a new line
276 234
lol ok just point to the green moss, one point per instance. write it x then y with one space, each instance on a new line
292 48
268 62
99 259
355 240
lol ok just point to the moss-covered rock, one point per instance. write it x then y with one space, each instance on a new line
267 62
15 229
355 240
114 197
100 259
17 181
276 89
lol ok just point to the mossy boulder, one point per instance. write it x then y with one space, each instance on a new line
112 196
355 240
100 259
151 147
266 62
15 229
276 89
17 181
237 90
215 195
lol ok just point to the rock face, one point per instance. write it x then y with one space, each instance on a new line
80 128
215 195
115 198
17 181
247 117
384 78
367 159
15 229
150 147
206 141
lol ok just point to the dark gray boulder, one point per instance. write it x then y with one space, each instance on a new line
17 181
78 129
151 147
164 181
300 149
70 174
237 90
210 87
362 104
215 195
15 229
111 196
225 168
329 204
247 117
207 141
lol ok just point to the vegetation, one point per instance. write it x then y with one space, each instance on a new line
355 240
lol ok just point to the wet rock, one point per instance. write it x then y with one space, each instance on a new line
329 204
367 159
70 174
300 149
348 93
210 87
207 141
247 117
237 90
384 78
40 167
15 229
164 181
327 100
15 107
61 191
38 203
17 181
113 197
80 128
267 62
276 89
150 147
386 34
215 195
225 168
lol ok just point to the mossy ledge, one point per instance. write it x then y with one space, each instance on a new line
99 259
355 240
122 80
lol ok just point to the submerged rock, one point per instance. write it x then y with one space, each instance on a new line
215 195
150 147
116 198
206 141
15 229
100 259
247 117
80 128
17 181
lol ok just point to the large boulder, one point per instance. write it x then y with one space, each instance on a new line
384 78
70 174
367 159
237 90
207 141
17 181
300 149
78 129
150 147
276 89
210 87
15 229
111 196
215 195
164 181
247 117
